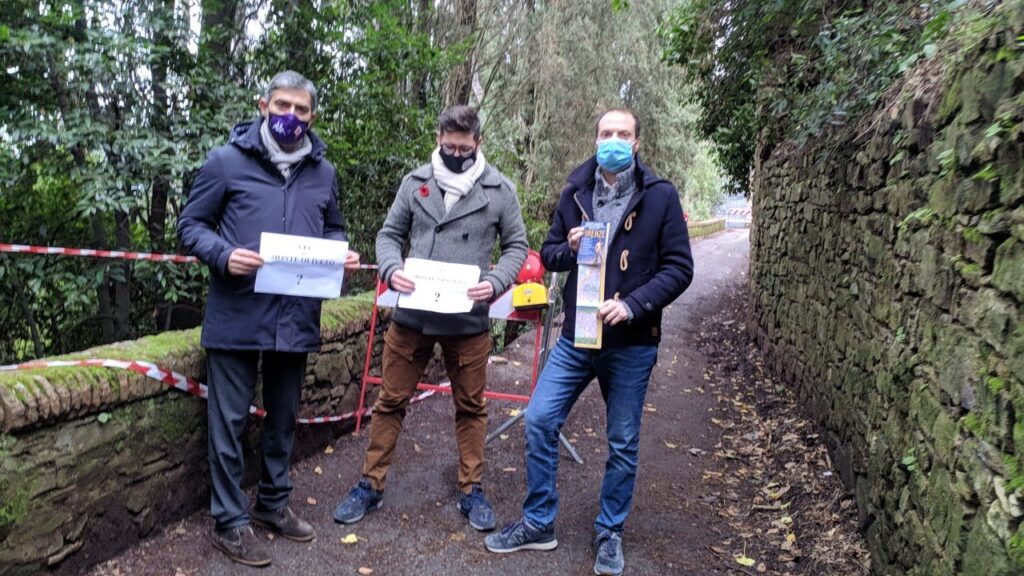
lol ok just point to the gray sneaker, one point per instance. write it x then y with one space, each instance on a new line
284 522
476 507
362 498
609 553
241 545
521 535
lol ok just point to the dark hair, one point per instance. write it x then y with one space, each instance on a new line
459 119
636 120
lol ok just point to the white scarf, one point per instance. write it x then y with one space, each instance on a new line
280 157
456 186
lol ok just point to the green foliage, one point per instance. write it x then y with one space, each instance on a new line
764 72
909 462
110 107
13 505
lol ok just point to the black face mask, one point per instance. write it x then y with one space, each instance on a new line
458 164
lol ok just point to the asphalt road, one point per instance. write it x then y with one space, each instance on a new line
419 530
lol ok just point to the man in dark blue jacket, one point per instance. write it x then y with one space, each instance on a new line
271 177
648 266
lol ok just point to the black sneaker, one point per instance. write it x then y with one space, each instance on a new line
241 545
521 535
362 498
284 522
609 554
476 507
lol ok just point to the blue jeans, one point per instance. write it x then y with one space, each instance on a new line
623 374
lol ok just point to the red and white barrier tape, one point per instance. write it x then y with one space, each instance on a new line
113 254
181 382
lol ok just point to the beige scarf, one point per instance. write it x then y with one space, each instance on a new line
456 186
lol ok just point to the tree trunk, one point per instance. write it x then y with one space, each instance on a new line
122 288
220 28
30 318
99 238
156 221
423 26
460 81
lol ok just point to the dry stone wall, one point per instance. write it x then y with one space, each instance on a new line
93 459
887 283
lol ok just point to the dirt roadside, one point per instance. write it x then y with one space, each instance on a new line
711 492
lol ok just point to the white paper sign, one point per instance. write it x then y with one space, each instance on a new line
440 286
301 266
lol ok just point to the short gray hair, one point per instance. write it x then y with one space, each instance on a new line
294 80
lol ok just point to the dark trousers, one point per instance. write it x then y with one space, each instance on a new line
231 380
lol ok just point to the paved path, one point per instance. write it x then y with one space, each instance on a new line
419 530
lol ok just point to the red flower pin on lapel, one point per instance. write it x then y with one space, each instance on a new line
424 191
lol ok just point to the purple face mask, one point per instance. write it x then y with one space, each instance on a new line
287 129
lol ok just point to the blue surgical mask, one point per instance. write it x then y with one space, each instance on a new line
614 155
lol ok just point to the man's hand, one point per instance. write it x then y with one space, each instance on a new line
352 260
401 282
611 312
243 262
575 235
481 292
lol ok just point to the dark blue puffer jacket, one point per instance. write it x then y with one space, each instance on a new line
238 195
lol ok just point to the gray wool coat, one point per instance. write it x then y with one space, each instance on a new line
466 235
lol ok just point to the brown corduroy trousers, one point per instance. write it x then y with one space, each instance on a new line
406 353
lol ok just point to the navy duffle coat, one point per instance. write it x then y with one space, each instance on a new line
649 262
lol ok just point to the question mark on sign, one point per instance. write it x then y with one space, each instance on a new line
299 281
437 297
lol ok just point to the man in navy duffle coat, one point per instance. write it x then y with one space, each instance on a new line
649 265
271 177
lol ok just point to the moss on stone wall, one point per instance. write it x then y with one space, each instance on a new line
888 285
102 456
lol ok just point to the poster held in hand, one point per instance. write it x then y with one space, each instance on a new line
301 266
590 261
440 286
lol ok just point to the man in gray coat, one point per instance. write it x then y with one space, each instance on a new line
450 210
271 177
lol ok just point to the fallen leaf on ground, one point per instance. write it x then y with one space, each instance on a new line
671 445
328 450
742 560
457 537
503 436
318 471
514 412
311 501
365 571
350 539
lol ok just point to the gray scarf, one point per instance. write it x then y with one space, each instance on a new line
283 159
610 201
